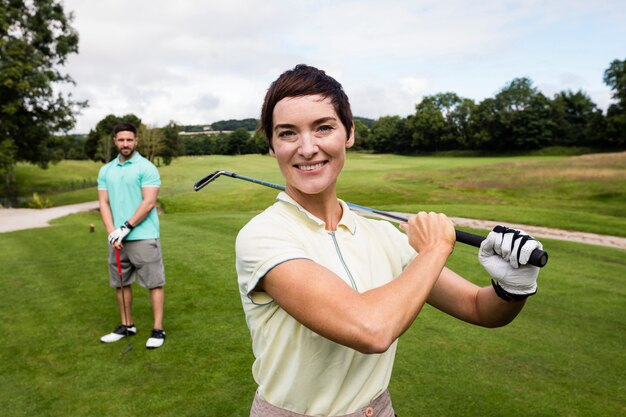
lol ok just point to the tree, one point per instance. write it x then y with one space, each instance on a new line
99 144
150 142
390 135
237 141
171 142
577 119
260 141
486 127
362 139
522 118
459 121
35 39
7 160
615 77
441 122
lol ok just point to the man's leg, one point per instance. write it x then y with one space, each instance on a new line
127 328
124 301
126 311
157 299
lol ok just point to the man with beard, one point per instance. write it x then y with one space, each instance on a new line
128 187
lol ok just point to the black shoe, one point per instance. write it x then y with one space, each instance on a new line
156 340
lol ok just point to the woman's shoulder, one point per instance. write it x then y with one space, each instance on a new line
377 225
270 220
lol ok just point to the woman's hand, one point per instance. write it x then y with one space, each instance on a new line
430 231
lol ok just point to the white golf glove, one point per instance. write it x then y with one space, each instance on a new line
504 254
119 234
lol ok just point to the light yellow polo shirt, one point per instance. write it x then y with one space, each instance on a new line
295 368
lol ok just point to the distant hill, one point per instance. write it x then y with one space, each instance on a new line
367 122
222 126
248 124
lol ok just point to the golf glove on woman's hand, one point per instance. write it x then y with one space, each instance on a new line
118 234
504 254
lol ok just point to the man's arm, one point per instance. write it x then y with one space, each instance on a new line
105 211
150 195
116 236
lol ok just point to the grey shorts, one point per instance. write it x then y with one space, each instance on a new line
141 261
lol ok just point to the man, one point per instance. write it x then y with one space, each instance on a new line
128 187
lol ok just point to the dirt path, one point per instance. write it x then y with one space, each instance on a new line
537 231
21 219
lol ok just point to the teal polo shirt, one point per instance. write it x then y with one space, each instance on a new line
123 182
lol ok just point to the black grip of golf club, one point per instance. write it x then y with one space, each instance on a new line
537 258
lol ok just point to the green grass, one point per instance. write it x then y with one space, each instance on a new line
563 356
585 193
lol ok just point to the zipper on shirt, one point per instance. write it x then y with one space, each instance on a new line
343 262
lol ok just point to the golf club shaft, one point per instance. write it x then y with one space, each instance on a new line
119 274
537 258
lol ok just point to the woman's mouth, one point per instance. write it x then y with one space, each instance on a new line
310 167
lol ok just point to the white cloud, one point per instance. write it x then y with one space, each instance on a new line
199 62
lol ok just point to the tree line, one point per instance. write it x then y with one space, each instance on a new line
518 118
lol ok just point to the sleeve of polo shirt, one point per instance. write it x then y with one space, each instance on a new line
261 245
150 177
401 242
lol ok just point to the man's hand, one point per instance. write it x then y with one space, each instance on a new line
116 236
504 254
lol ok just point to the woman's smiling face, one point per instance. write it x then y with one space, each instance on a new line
310 143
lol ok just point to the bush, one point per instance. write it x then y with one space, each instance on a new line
38 202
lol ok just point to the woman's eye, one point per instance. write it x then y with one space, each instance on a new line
285 134
325 128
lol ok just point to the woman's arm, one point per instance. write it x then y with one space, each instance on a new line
371 321
466 301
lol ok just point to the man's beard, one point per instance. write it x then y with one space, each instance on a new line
127 151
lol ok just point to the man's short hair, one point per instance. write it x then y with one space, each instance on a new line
125 127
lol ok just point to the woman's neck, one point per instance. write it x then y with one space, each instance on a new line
325 205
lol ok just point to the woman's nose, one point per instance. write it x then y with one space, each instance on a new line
308 145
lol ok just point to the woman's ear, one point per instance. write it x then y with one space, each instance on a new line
350 141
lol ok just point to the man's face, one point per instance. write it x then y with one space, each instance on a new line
126 143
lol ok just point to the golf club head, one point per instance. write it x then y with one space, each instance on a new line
203 182
128 349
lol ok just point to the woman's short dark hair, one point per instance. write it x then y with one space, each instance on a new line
125 127
304 80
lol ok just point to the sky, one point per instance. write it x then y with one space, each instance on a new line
198 62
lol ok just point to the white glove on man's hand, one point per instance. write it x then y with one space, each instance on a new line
504 254
118 234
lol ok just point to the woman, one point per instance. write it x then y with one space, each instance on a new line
326 292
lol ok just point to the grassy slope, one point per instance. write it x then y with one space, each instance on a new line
586 193
563 356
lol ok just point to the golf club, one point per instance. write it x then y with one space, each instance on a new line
537 258
119 273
